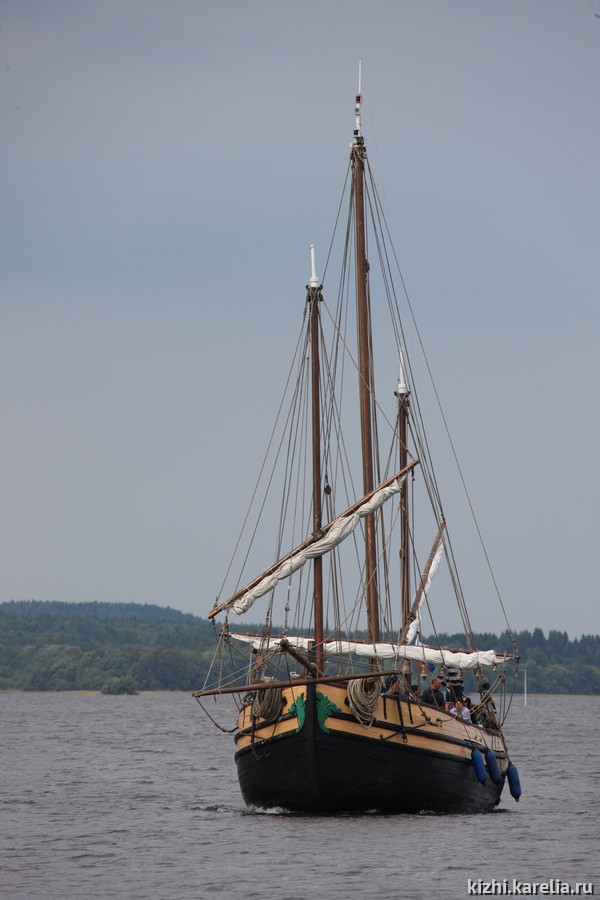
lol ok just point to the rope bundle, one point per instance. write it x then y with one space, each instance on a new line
267 704
363 696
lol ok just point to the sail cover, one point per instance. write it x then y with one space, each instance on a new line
336 532
462 659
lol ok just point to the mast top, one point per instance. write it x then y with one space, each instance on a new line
402 388
314 281
358 138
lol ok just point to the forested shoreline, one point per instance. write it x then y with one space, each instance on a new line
117 648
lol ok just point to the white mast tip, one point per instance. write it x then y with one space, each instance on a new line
357 124
314 281
402 386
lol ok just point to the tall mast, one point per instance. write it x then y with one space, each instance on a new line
313 298
402 393
365 369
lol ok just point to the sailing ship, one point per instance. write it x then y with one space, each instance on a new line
331 702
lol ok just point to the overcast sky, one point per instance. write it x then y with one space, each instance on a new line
164 167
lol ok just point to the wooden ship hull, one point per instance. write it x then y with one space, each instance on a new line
315 757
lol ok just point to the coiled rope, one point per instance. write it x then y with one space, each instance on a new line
363 696
267 704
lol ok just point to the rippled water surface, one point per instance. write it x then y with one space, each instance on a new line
137 797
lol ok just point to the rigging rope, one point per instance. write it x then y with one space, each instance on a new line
444 420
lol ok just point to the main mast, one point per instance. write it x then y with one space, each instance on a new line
313 298
365 370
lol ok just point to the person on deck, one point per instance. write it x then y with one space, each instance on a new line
433 695
460 710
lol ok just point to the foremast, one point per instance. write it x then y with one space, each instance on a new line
365 367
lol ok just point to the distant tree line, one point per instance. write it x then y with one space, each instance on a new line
122 648
554 664
101 646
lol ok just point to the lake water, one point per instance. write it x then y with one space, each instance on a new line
137 797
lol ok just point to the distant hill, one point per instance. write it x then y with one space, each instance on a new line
117 647
80 646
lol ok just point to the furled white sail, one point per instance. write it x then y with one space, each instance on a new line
336 532
414 625
419 652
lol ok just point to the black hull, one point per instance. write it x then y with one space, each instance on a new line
316 772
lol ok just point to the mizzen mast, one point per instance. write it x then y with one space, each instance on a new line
365 367
402 393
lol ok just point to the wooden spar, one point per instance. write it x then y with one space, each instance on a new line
311 540
274 685
309 666
416 602
314 298
365 373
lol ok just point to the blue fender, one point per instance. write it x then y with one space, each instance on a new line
479 766
493 767
513 782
